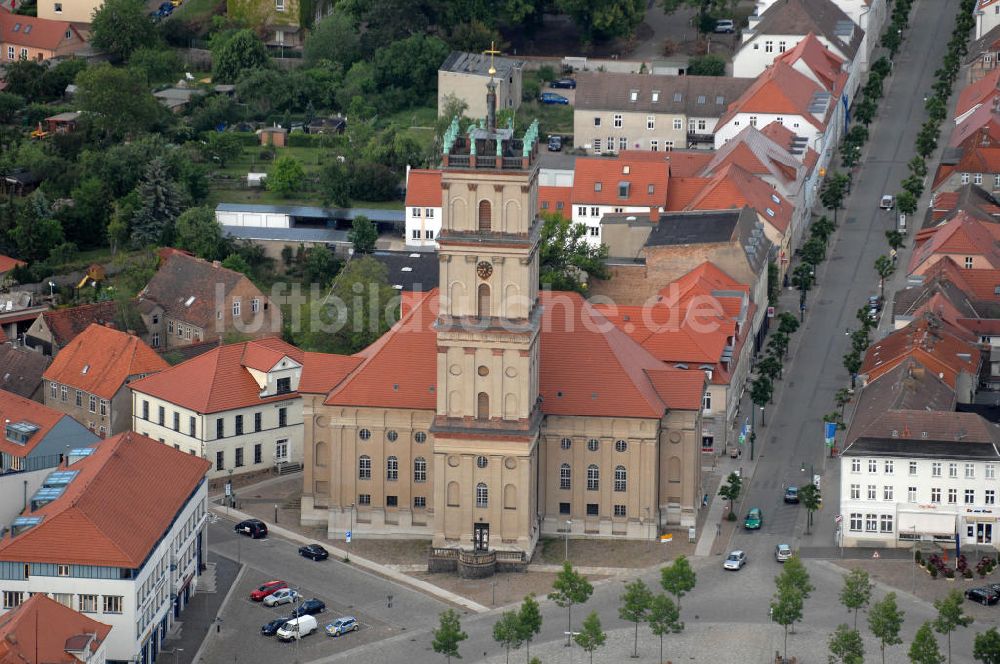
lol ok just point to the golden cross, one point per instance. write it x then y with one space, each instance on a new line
491 52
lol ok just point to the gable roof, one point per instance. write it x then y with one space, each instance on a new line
977 93
105 517
67 637
981 127
783 90
623 380
970 198
734 187
694 96
942 348
989 41
185 287
800 17
100 360
16 408
556 200
21 370
824 64
971 159
963 235
32 32
596 181
922 433
423 188
7 263
66 324
759 154
219 380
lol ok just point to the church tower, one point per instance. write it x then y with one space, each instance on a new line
486 429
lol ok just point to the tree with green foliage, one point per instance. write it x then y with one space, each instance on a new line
925 649
567 261
884 267
761 393
507 632
221 147
237 52
895 239
86 220
569 588
846 646
119 27
335 184
678 578
591 636
906 202
120 225
36 231
663 618
857 592
199 232
237 263
926 141
160 203
634 608
371 181
795 575
865 111
10 104
986 648
335 39
529 620
406 70
770 367
707 65
950 616
600 20
834 191
363 235
810 498
917 166
117 101
156 64
786 610
788 323
731 490
885 619
319 265
286 176
448 635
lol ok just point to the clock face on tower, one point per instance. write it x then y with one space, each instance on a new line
484 269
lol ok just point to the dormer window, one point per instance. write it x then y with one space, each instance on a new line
623 188
284 385
656 96
20 432
597 186
633 95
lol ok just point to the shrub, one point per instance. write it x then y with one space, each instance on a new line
918 557
967 573
949 573
934 572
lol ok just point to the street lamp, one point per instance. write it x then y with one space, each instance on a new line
569 525
914 571
812 480
350 535
649 526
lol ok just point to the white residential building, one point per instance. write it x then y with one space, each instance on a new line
116 533
628 183
237 406
987 16
423 207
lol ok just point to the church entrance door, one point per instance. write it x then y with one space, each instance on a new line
481 536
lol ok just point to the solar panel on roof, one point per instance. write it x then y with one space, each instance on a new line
60 478
81 451
27 521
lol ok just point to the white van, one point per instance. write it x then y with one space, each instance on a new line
297 628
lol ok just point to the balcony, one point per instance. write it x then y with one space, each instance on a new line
695 138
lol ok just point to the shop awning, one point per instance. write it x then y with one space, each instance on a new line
924 523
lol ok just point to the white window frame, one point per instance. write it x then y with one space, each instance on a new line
650 122
618 121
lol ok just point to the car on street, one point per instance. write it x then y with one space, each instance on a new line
314 551
564 83
888 202
735 560
283 596
754 520
271 628
265 589
310 607
986 595
725 26
297 627
254 528
555 143
552 98
782 552
342 626
792 495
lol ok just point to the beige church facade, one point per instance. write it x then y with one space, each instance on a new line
492 413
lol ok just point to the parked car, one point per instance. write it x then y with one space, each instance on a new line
782 552
555 143
888 202
254 528
297 627
792 495
986 595
725 26
271 628
314 551
265 589
283 596
310 607
342 626
552 98
166 8
735 561
564 83
754 520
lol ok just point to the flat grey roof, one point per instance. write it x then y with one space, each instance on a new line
327 235
479 64
694 227
348 214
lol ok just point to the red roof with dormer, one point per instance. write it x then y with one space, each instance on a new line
423 188
597 181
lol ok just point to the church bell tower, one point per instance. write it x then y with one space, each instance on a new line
488 414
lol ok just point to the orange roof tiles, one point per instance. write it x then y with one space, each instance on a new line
963 235
734 187
100 360
105 516
826 65
596 181
219 380
557 200
7 263
423 188
64 634
19 409
321 371
982 127
980 92
781 90
65 324
34 32
682 191
974 159
943 349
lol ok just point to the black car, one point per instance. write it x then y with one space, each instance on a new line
254 528
271 628
564 83
792 495
555 143
986 595
310 607
314 551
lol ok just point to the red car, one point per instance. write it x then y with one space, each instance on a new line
266 589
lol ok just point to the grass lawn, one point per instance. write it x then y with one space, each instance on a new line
552 118
250 161
425 116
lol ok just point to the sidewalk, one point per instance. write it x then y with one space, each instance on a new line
198 618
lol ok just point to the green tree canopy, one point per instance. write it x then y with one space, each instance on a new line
846 646
925 649
198 232
120 27
335 184
885 619
707 65
156 65
160 203
336 39
569 588
786 609
634 607
242 50
363 235
286 176
449 635
406 70
507 632
663 618
987 647
237 263
591 636
529 622
118 100
566 258
950 616
599 20
36 232
678 578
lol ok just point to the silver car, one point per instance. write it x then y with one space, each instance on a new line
782 552
735 561
283 596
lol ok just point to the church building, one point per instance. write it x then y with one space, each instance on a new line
492 413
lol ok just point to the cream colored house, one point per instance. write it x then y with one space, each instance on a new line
237 406
473 422
464 76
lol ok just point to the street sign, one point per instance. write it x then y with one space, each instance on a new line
669 537
770 312
347 536
875 555
839 518
229 489
829 430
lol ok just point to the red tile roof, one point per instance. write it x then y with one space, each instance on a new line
100 360
640 173
19 409
219 379
551 197
821 61
321 371
66 324
781 90
685 163
19 30
974 159
105 516
64 634
980 92
620 379
423 188
963 235
734 187
982 127
943 349
682 191
7 263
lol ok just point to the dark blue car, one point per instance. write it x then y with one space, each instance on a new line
552 98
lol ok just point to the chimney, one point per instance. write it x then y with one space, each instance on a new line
654 214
